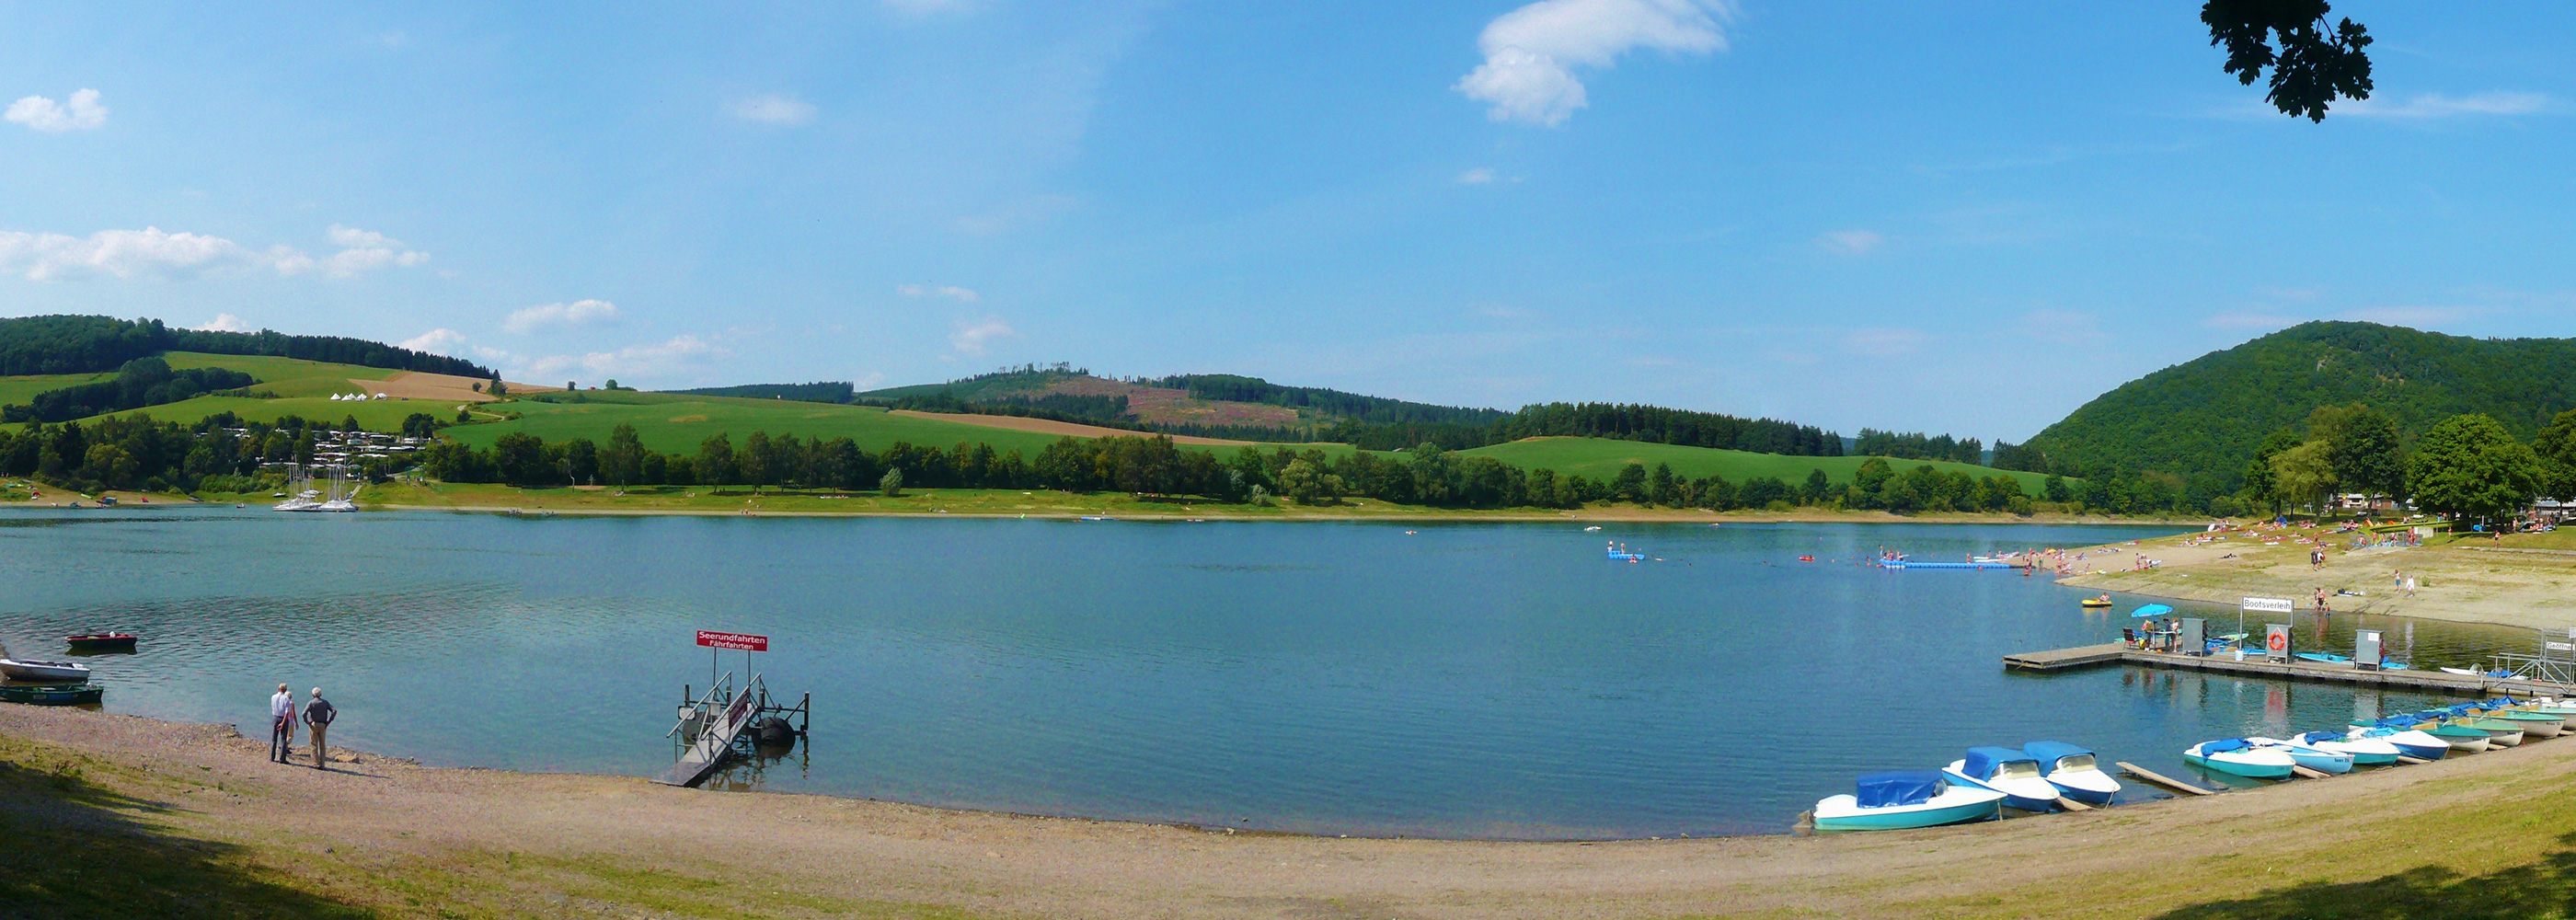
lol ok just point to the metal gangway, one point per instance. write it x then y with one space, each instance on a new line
713 727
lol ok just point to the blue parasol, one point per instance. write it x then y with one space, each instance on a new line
2151 610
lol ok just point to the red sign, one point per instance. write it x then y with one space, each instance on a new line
740 642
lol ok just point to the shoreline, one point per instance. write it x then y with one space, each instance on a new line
380 831
2456 582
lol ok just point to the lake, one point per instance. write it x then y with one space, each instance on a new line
1482 680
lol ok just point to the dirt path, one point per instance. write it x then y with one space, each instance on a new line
2364 829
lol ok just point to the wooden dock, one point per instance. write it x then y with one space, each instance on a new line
2296 669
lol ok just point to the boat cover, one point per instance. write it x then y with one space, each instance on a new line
2151 610
2220 747
2314 737
1897 787
1983 759
2048 753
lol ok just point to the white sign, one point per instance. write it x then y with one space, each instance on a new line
2271 604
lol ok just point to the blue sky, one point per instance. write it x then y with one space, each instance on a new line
1954 217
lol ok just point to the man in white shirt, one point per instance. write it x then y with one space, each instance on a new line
281 725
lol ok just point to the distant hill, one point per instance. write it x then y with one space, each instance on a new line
95 344
2201 419
1250 408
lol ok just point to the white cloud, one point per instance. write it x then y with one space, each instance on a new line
1482 175
436 341
950 291
223 322
83 114
971 338
128 253
772 110
1851 242
562 315
2436 105
1883 342
1531 52
365 250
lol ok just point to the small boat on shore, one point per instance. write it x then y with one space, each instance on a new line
2410 742
2534 724
44 671
52 694
1899 799
2008 771
101 642
2462 737
2365 752
2307 755
2073 771
2240 757
2499 732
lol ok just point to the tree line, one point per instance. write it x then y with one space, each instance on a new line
1917 446
145 381
90 344
2465 466
220 453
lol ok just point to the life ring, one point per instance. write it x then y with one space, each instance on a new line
2278 642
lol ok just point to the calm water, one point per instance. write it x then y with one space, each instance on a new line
1483 680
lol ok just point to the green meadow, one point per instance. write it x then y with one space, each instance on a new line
17 391
1601 458
676 424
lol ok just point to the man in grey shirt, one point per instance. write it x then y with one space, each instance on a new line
319 714
281 725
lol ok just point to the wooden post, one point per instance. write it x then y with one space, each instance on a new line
2401 758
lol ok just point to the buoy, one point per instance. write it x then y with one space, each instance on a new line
774 732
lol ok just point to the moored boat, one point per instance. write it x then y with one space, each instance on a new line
2308 755
51 694
2240 757
1905 798
2073 771
2462 737
2499 732
2409 742
2365 752
100 642
2008 771
44 671
2534 724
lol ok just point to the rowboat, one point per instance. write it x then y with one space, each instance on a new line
2365 752
2462 737
51 694
1905 798
2499 732
2103 601
2534 724
2307 755
2007 771
48 671
101 642
2240 757
2071 769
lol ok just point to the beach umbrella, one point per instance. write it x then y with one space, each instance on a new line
2150 610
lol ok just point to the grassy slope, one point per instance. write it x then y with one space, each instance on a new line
674 424
1601 458
305 384
17 391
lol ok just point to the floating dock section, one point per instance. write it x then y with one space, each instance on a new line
2296 669
1904 564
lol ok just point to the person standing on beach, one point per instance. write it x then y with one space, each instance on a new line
281 724
319 714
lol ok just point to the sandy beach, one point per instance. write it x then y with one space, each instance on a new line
405 840
2465 583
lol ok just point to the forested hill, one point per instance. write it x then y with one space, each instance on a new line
2205 417
92 344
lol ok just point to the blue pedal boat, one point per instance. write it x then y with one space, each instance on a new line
1899 799
2008 771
